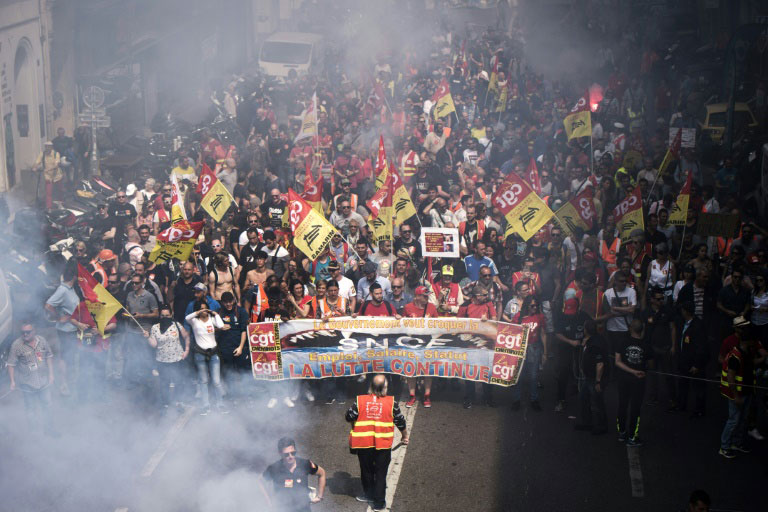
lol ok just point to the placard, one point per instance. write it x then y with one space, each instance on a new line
718 224
440 242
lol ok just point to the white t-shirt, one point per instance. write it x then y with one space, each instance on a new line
346 288
628 297
205 332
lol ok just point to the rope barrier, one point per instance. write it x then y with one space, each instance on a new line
677 375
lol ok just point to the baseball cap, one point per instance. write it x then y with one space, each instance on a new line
200 287
369 267
333 265
421 290
130 189
740 321
447 270
345 182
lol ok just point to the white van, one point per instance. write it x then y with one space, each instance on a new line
285 51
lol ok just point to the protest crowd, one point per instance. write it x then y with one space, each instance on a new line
581 211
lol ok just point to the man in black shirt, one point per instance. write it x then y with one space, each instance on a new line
122 213
290 479
273 208
732 301
408 243
103 227
183 290
569 333
659 323
592 365
632 356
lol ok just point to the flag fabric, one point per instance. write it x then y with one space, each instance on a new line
629 214
177 203
501 105
381 160
673 153
205 170
678 214
216 198
578 212
308 121
401 200
493 82
442 100
176 241
313 190
524 210
380 206
101 304
533 176
311 231
375 99
578 123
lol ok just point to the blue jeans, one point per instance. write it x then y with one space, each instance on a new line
204 367
530 374
37 403
170 380
735 429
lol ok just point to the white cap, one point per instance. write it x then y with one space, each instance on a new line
130 189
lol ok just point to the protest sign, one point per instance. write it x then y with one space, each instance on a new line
440 242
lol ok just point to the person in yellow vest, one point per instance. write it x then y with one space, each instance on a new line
374 417
409 161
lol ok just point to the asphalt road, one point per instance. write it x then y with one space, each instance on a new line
124 457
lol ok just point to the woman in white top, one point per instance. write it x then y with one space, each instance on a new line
689 274
204 323
166 338
661 273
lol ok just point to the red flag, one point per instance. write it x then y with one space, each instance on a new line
533 176
313 189
205 171
381 157
87 283
585 207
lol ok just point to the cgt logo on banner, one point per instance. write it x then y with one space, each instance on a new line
629 214
464 348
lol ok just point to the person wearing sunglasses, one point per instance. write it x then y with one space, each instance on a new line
289 477
531 316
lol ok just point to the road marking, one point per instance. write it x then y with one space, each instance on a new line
124 509
168 440
635 471
398 455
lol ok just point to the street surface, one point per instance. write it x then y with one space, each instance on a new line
121 457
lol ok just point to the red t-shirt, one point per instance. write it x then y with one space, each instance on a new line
371 309
413 311
477 311
534 323
730 342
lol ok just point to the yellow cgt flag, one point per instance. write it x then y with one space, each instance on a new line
678 214
578 123
524 210
100 303
311 231
380 205
216 198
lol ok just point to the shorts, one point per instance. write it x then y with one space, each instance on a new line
65 345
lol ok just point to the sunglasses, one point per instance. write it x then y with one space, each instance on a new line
27 333
485 275
345 207
290 454
136 283
396 287
404 232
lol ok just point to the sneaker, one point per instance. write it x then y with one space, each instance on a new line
622 437
330 401
467 404
560 406
535 406
380 509
288 402
272 403
515 405
740 448
362 499
411 401
427 402
634 441
204 411
755 434
309 396
728 454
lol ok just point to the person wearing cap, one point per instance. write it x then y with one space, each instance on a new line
343 214
420 307
481 308
346 192
346 286
736 381
104 265
370 276
48 162
447 296
201 293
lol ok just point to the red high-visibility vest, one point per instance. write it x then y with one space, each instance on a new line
375 425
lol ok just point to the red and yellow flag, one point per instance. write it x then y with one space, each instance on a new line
311 231
176 241
578 212
216 198
101 304
533 176
578 123
524 210
442 100
382 211
629 214
678 215
313 190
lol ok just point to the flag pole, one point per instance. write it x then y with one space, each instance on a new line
682 240
134 319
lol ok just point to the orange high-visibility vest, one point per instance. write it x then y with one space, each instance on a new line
725 388
375 425
608 254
